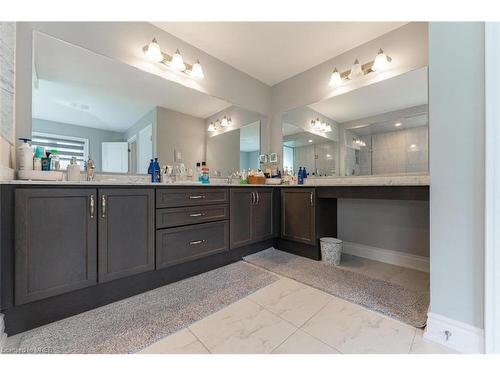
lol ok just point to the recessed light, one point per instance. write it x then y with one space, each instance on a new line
310 141
397 124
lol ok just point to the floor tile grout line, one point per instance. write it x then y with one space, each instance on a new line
201 342
412 341
281 343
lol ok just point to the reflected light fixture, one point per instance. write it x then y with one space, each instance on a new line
310 141
219 125
397 124
335 78
381 62
153 51
177 62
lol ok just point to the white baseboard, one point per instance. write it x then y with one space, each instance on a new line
3 336
463 337
397 258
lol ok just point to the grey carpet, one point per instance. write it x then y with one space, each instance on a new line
408 306
134 323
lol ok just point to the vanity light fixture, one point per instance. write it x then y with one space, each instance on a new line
219 125
335 78
357 70
177 62
358 142
381 62
153 53
320 126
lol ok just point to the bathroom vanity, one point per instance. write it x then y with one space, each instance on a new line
70 247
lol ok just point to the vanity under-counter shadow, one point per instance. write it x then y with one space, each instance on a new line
145 237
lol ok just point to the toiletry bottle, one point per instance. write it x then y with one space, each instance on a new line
73 170
150 169
156 171
55 163
89 168
46 162
25 155
300 177
304 173
205 173
198 171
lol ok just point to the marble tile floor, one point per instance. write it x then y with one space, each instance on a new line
288 317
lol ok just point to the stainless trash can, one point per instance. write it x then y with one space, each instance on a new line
331 250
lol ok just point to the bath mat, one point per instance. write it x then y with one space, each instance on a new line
398 302
132 324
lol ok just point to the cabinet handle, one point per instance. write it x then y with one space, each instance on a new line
92 206
311 198
196 197
103 206
196 242
197 214
258 198
253 198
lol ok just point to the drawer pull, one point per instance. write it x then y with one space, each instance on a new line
196 197
197 242
197 214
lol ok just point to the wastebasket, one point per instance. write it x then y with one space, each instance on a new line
331 250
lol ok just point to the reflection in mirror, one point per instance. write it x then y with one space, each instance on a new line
383 126
310 140
234 145
88 105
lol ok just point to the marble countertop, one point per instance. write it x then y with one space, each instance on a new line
394 180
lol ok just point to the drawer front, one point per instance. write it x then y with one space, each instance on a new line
175 217
178 245
190 197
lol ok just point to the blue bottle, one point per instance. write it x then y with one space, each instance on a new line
300 177
150 169
156 171
304 173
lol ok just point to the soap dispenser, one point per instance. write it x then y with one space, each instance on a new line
25 155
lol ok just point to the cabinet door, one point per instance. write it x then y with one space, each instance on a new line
298 215
55 242
241 217
263 215
126 232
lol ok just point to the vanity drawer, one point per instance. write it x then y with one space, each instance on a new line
175 217
178 245
189 197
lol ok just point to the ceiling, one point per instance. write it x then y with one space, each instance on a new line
403 91
79 87
293 136
390 125
274 51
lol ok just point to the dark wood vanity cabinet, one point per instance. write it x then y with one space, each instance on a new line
253 216
55 242
126 232
298 215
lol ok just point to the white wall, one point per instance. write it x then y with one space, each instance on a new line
456 107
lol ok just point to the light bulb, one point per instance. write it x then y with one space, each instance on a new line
229 121
197 71
153 51
381 62
328 128
211 127
335 78
177 62
397 124
356 70
224 122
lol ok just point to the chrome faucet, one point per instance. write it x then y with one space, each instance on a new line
90 169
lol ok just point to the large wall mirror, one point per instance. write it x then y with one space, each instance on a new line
88 105
380 129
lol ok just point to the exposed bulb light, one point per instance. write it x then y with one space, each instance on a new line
397 124
177 62
226 122
211 127
356 70
153 51
335 78
381 62
197 71
328 128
